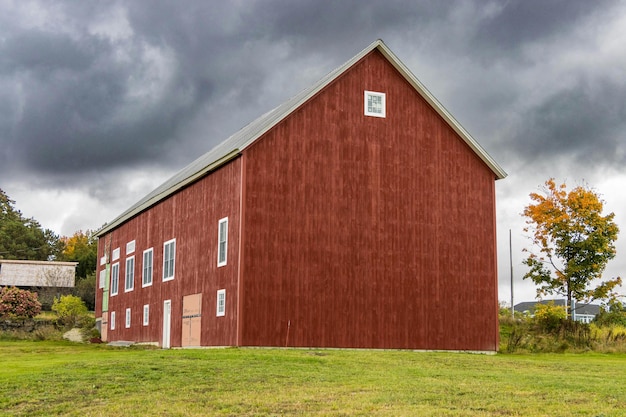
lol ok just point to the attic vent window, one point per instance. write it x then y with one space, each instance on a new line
374 104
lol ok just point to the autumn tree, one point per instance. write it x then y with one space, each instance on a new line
572 243
81 247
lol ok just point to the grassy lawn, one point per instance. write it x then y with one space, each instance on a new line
63 378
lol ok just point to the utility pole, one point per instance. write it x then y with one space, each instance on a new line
511 262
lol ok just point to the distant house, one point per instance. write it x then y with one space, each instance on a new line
357 214
37 273
584 313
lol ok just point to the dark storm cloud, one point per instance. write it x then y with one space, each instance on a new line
333 26
164 82
75 110
74 105
519 22
586 123
39 53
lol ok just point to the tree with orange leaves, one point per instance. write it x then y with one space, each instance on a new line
573 242
81 247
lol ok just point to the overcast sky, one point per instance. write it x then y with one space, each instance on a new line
103 101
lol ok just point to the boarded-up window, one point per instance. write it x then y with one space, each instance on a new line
192 320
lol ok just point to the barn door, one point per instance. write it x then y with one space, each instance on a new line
192 319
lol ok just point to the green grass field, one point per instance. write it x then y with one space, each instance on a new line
63 378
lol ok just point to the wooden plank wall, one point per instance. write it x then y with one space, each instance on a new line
368 232
191 217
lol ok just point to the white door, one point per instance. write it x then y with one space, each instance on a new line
167 323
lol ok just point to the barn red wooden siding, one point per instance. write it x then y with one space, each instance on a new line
344 231
368 232
191 217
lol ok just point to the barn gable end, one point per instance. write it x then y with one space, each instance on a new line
375 225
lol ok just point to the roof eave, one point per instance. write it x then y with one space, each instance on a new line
124 217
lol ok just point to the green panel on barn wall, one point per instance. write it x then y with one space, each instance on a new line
105 294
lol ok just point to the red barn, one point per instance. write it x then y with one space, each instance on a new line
358 214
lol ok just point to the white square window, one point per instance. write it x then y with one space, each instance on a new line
112 320
374 104
129 282
169 259
146 314
115 278
116 254
128 318
222 241
130 247
146 276
103 260
221 303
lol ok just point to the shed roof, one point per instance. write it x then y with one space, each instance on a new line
33 262
232 147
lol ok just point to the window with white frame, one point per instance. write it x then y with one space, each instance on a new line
222 241
169 259
115 278
146 314
129 282
116 254
221 303
130 247
375 104
112 320
103 276
127 318
146 275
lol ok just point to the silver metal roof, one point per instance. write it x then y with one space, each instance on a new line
239 141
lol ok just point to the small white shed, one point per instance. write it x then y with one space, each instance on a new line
37 273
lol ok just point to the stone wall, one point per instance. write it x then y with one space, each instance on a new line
26 325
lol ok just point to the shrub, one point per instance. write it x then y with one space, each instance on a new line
611 338
86 289
91 334
16 303
69 308
549 317
546 331
613 314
